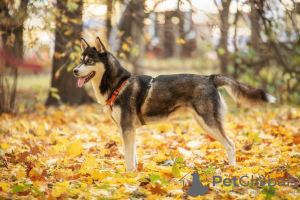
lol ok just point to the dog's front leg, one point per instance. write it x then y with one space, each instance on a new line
128 136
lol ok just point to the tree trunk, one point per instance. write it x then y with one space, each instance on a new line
108 18
169 39
224 54
137 47
125 26
67 36
12 26
255 27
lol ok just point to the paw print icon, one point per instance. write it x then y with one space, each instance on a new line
261 181
197 188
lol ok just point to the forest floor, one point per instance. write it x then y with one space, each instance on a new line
76 152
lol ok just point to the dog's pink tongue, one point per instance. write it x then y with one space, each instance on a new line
81 82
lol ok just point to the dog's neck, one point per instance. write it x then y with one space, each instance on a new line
96 81
108 78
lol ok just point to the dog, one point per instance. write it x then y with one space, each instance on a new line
132 101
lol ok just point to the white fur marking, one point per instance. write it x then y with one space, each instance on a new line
270 98
116 114
107 110
223 107
96 81
229 90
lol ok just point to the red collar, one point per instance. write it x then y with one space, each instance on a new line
114 95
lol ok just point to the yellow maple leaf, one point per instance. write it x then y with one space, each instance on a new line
4 187
97 175
255 169
21 174
295 160
104 152
294 164
210 157
285 148
89 180
125 47
41 130
60 188
246 170
35 172
164 127
63 184
42 186
73 192
180 41
75 149
63 173
161 157
268 170
254 137
90 162
82 184
56 192
130 181
4 146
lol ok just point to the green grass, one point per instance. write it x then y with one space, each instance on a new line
34 81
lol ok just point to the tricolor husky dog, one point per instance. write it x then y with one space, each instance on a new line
132 101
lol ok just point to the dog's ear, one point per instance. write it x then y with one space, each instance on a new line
99 46
83 45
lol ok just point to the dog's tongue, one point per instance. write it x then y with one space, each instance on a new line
81 82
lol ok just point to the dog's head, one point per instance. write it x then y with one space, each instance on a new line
91 61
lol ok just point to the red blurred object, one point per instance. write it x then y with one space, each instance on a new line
17 62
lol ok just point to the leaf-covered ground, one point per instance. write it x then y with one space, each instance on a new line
76 152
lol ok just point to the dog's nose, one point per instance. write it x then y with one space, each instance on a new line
75 71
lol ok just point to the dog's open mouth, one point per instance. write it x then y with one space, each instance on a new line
83 80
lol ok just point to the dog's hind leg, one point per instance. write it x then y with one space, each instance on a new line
212 124
128 135
217 132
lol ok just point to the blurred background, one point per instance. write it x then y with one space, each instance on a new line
254 41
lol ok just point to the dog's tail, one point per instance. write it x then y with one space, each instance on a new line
242 93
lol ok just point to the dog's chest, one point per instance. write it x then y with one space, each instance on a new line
114 113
